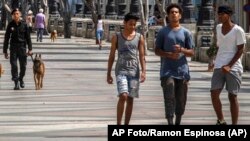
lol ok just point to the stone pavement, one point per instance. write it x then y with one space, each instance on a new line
77 104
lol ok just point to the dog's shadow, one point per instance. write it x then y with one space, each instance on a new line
38 70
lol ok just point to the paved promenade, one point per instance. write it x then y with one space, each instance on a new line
76 103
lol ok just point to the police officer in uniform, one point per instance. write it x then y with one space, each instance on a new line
18 35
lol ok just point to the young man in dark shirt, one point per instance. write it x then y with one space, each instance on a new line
174 44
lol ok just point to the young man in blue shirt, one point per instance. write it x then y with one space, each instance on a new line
173 44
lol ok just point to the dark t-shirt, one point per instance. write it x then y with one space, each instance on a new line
165 40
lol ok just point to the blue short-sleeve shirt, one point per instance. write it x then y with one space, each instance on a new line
165 40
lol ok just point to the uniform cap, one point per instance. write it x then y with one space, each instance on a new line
14 10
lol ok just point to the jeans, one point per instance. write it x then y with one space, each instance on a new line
99 34
40 34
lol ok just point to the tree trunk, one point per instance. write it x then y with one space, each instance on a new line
66 14
144 23
67 30
91 5
161 7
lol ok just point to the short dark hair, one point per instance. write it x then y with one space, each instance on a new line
14 10
174 5
225 9
130 16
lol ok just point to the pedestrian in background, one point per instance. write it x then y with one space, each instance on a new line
18 36
40 25
228 68
127 71
174 44
99 31
29 20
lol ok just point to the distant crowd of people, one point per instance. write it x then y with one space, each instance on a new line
36 23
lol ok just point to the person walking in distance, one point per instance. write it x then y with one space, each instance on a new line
99 31
18 35
127 71
40 25
174 44
228 67
29 20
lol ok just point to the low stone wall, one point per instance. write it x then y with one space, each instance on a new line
84 27
56 24
152 33
202 57
246 55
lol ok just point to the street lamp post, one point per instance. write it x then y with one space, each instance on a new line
188 12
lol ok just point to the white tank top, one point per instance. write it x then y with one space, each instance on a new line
100 25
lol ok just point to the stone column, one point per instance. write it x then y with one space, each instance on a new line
121 9
39 4
205 34
206 13
110 10
79 9
100 7
53 10
188 15
87 11
134 7
15 4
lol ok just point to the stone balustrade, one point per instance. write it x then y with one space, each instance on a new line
84 27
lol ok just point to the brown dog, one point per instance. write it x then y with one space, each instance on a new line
1 70
38 70
53 35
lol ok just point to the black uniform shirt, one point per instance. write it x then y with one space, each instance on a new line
17 34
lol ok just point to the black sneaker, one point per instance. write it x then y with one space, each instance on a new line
221 122
22 84
16 86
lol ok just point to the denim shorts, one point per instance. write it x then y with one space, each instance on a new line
128 84
232 81
99 34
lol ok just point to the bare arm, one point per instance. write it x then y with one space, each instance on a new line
111 59
237 55
142 59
